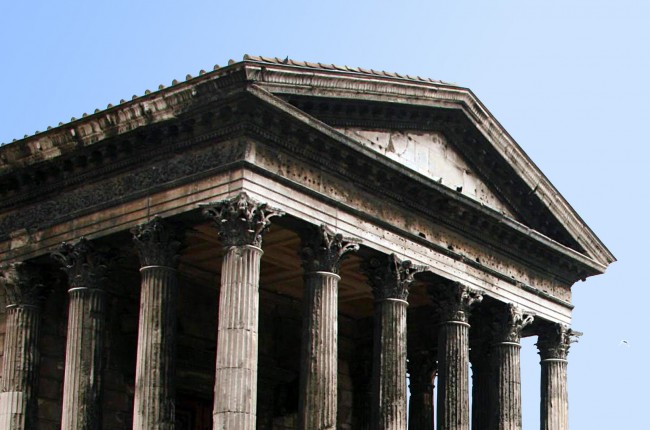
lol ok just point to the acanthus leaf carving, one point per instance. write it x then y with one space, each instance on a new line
554 342
508 328
83 264
456 301
392 277
22 283
324 250
157 243
241 220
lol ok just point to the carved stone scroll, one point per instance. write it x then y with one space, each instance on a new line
241 220
391 279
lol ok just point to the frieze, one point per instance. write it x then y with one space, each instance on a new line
324 250
121 188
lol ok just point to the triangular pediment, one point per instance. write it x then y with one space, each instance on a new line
430 154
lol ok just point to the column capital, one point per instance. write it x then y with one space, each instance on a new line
85 266
421 367
554 341
23 284
240 220
456 302
509 324
157 243
391 278
324 250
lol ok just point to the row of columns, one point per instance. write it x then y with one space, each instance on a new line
241 223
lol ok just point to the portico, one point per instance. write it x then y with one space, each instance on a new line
276 246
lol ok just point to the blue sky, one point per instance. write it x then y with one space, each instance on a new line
568 80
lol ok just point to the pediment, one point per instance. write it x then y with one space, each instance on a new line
430 154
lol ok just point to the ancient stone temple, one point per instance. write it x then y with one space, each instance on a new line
277 245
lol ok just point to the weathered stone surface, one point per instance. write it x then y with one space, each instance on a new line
505 353
18 402
453 359
422 369
390 280
241 223
553 345
321 255
82 385
241 220
155 385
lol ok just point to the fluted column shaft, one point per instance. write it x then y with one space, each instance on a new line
155 395
390 280
389 387
83 360
20 368
507 384
453 355
554 412
481 388
553 343
321 256
453 376
18 385
235 399
318 368
82 381
241 222
421 411
505 355
155 370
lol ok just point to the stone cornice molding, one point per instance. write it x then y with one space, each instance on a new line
157 243
554 342
282 79
298 78
390 278
324 250
83 264
456 301
510 324
22 283
240 220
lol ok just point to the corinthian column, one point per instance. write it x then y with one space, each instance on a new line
321 256
84 352
553 345
241 222
18 402
422 367
155 385
479 356
505 353
390 281
453 357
